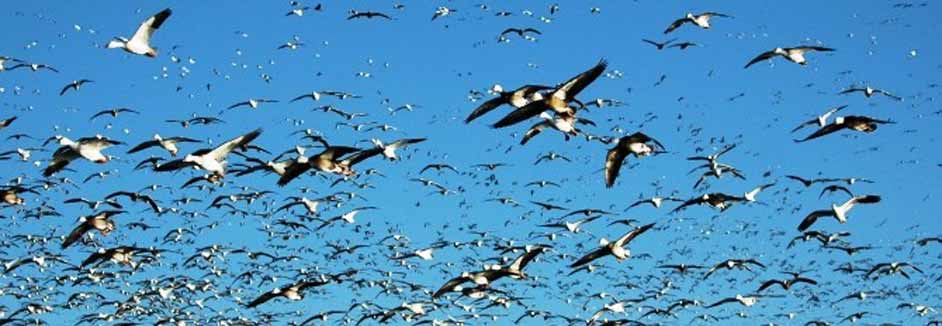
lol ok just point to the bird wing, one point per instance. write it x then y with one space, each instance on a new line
530 110
76 234
262 299
533 131
449 286
675 25
484 108
813 217
823 131
761 57
574 86
149 26
613 161
220 152
625 239
595 254
143 146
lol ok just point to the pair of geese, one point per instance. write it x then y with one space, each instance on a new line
530 101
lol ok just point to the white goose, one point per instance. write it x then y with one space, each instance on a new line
140 42
212 160
838 212
796 54
88 148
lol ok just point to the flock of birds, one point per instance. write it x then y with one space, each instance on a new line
102 269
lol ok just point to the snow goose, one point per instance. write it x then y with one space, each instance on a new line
140 43
701 20
212 160
838 212
821 120
88 148
870 92
168 144
796 54
616 248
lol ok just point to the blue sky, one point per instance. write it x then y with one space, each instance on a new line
435 64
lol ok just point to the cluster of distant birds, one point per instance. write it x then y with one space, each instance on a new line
104 287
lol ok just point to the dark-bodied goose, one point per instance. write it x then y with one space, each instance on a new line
101 222
851 122
659 46
140 42
75 85
517 98
733 264
838 212
211 159
796 54
717 200
88 148
7 122
787 283
557 100
702 20
637 144
616 248
168 144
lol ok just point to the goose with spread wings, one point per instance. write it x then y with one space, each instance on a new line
169 144
821 120
558 99
852 122
839 212
701 20
211 159
870 92
492 273
100 221
140 42
616 248
795 54
88 148
517 98
637 144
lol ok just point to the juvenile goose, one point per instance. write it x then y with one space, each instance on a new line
796 54
140 42
838 212
702 20
492 273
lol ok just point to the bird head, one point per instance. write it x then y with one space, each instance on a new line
497 88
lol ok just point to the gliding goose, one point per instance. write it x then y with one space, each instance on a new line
212 160
796 54
838 212
557 100
701 20
88 148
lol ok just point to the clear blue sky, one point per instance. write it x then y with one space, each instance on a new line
214 54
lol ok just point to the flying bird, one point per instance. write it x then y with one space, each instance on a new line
140 42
